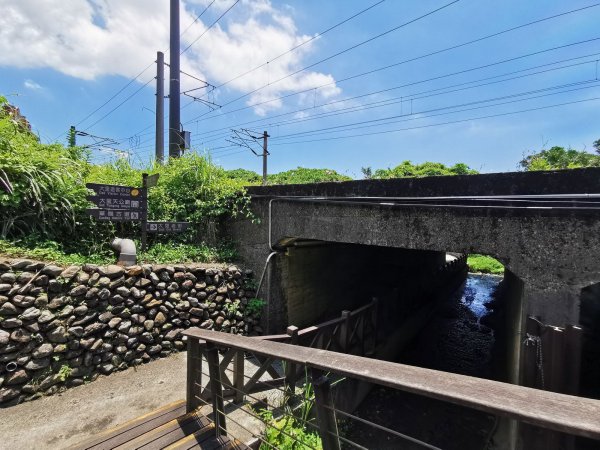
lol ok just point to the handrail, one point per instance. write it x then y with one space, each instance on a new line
559 412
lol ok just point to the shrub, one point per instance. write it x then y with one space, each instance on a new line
484 264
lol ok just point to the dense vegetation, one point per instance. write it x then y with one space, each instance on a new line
557 158
299 175
484 264
43 201
426 169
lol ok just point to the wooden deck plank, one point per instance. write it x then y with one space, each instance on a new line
130 430
168 433
213 443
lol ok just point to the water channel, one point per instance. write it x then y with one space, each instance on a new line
458 339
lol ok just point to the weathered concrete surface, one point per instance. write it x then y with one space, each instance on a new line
555 256
62 420
550 257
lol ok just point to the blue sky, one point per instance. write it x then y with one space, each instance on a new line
61 63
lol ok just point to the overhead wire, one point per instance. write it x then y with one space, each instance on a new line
389 66
312 38
341 52
211 25
209 135
360 124
440 124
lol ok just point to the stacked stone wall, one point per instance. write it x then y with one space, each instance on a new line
62 327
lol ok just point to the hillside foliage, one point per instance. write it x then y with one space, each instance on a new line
558 158
426 169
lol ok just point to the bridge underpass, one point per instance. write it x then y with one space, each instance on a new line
541 226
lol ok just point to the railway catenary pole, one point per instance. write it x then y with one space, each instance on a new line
174 83
160 107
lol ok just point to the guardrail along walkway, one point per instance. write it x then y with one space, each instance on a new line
330 378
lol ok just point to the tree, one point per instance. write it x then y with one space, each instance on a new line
367 172
245 175
426 169
557 158
303 175
597 146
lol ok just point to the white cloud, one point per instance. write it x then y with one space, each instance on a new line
87 39
30 84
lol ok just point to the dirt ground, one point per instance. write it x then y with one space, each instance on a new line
65 419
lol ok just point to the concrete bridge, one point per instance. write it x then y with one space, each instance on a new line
333 238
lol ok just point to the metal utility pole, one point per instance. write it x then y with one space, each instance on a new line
160 107
244 138
72 134
264 157
174 84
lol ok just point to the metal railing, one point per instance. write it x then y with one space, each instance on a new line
328 372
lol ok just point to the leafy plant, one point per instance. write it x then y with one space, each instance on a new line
560 158
303 175
255 306
484 264
287 433
232 308
426 169
64 372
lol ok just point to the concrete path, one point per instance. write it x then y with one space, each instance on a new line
66 419
62 420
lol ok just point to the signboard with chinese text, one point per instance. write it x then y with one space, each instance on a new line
167 227
117 215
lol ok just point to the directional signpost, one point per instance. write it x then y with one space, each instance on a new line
129 204
116 215
167 227
118 203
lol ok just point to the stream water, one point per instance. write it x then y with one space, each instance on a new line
455 340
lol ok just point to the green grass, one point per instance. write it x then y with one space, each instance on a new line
485 264
159 253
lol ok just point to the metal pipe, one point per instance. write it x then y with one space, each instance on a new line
125 248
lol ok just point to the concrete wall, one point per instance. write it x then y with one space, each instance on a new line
319 279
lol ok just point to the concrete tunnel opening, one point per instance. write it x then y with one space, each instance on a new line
432 314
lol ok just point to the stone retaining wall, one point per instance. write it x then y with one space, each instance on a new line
61 327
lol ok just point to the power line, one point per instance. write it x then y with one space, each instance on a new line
428 80
366 41
440 124
120 104
473 41
355 125
211 25
196 19
318 35
411 117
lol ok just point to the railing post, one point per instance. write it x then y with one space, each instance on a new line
345 331
216 388
327 423
290 369
194 373
374 320
238 376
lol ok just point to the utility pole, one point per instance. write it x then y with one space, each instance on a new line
244 138
160 107
72 134
174 84
264 157
145 218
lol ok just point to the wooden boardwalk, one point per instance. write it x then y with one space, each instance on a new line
166 428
